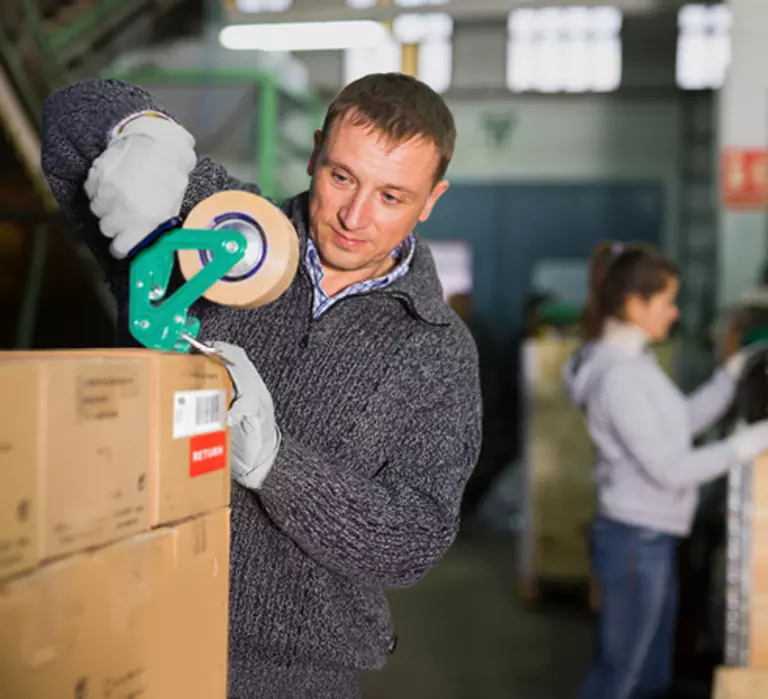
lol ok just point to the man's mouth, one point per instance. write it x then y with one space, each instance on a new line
345 241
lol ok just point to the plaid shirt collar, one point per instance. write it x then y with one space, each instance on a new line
322 302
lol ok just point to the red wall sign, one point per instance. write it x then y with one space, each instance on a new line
744 178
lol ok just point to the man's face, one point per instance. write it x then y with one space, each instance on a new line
367 196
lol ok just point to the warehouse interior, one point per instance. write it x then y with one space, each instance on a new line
578 121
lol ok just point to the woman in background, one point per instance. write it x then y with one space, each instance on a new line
648 471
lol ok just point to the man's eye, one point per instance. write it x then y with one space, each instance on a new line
391 199
339 177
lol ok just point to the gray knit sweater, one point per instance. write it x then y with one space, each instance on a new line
378 401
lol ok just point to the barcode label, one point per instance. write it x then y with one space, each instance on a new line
198 412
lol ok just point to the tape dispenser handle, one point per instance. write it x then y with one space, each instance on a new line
164 227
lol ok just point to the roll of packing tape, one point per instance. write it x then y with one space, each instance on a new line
272 257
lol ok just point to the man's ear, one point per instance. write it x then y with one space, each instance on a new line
312 164
437 191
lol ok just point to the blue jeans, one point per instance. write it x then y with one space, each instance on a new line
636 568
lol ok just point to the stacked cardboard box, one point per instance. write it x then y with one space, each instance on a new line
747 567
559 461
740 683
758 567
114 525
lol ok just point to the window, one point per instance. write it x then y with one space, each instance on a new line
564 49
433 32
703 46
264 5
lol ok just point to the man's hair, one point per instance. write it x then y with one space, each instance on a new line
401 108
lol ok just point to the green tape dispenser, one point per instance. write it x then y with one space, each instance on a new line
234 248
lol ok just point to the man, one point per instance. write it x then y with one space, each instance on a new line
358 421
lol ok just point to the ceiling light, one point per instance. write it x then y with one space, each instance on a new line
264 5
302 36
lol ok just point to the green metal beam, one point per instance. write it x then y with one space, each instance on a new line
10 59
54 75
211 76
30 302
31 99
91 19
266 136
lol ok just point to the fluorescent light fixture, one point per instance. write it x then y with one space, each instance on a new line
564 49
264 5
420 3
703 46
367 4
303 36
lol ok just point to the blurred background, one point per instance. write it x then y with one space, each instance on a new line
578 121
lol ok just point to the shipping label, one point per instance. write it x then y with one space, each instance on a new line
198 412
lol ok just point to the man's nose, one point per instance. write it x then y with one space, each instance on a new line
357 213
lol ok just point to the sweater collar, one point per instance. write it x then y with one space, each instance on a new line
624 336
419 289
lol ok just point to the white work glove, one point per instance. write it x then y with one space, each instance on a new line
255 437
139 181
749 441
737 363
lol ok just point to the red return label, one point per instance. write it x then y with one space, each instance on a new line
207 453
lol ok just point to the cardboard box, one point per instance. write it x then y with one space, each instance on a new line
758 567
46 621
193 625
145 617
740 683
560 493
90 463
133 435
18 454
190 467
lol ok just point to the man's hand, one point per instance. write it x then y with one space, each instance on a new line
254 434
139 181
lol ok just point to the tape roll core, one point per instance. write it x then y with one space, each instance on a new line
258 279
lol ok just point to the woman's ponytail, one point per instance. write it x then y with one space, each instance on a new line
594 314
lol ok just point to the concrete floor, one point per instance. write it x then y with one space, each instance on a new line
464 634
